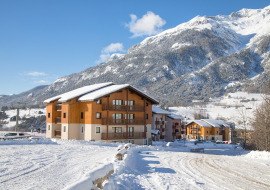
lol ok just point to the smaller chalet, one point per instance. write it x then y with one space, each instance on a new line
208 129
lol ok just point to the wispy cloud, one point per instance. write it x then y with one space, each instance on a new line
36 73
41 81
149 24
107 51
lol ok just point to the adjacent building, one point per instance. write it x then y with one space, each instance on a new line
176 127
208 129
105 111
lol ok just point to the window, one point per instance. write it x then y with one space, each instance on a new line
49 127
99 102
98 130
130 129
64 115
117 102
129 141
146 104
81 115
98 115
82 129
217 132
146 129
144 141
64 129
206 131
130 102
130 116
146 116
49 115
210 131
117 130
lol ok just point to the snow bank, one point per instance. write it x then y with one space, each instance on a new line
88 180
27 141
259 155
82 142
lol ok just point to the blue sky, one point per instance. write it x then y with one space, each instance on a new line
43 40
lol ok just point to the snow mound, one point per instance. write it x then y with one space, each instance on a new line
27 142
259 155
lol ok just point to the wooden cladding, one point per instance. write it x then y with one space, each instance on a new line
123 121
122 107
141 135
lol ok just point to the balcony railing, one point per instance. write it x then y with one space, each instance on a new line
180 126
178 133
163 129
58 107
57 133
160 122
110 136
58 120
195 129
122 107
123 121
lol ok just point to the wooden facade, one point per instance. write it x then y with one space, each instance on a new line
133 110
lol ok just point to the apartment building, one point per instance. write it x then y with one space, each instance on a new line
208 129
159 127
176 127
101 112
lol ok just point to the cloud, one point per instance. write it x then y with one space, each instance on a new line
41 81
149 24
36 74
112 48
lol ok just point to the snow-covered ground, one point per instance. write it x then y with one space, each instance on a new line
47 164
225 107
58 164
219 167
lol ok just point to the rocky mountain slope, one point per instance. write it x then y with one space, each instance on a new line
202 58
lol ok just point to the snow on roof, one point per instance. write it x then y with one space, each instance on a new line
102 92
216 123
154 131
77 92
111 89
160 111
174 116
201 123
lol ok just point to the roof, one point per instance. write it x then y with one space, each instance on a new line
174 116
96 91
154 131
216 122
201 123
160 111
77 92
92 96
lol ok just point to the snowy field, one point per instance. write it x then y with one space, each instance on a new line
47 164
22 113
224 107
57 164
219 167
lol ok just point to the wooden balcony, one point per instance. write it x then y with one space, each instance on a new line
57 133
112 136
163 129
160 122
122 108
123 121
180 126
195 129
178 133
58 120
58 107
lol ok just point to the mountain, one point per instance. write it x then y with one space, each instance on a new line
199 59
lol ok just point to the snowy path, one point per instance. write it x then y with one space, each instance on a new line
48 166
213 169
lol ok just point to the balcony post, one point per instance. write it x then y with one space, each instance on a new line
127 117
107 118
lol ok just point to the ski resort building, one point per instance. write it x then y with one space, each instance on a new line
101 112
176 127
208 129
